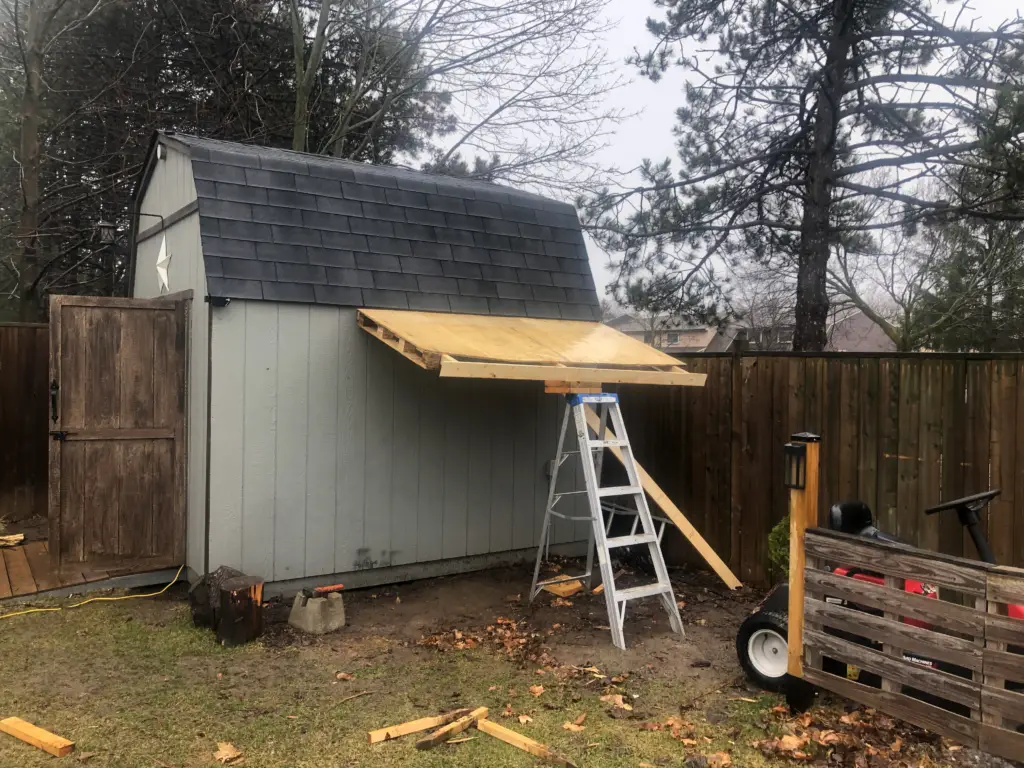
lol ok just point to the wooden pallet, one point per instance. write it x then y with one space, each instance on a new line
886 632
28 569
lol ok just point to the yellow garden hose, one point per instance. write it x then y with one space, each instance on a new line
94 600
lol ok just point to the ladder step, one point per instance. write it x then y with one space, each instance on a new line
629 541
635 593
609 443
620 490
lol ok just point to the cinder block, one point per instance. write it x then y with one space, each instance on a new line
318 615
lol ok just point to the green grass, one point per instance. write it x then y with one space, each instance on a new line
136 685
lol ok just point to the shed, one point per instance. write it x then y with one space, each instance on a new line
312 448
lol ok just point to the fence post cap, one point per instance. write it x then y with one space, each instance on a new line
805 437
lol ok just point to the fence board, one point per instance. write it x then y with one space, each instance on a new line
24 369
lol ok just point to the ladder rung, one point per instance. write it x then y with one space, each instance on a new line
569 493
629 541
609 443
635 593
620 490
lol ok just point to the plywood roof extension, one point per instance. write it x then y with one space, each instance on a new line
530 349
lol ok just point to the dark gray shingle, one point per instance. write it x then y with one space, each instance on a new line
286 226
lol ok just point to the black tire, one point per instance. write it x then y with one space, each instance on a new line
763 623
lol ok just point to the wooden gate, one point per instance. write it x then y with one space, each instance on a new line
949 660
117 423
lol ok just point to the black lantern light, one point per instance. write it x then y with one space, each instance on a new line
796 465
106 231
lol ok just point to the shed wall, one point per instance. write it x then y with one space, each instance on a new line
331 453
171 187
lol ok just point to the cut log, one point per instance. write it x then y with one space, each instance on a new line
441 735
240 618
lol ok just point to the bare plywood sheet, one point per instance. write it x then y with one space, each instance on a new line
520 348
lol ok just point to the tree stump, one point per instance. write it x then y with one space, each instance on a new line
204 596
240 618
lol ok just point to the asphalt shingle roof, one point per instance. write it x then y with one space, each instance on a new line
287 226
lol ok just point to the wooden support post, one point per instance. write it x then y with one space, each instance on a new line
803 513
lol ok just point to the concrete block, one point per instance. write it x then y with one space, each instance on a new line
318 615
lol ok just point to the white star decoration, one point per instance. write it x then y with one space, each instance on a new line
163 260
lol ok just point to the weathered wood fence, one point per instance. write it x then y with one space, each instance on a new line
899 432
24 364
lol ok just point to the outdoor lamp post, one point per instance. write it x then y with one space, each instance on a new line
801 466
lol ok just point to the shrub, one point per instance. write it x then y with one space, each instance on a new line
778 549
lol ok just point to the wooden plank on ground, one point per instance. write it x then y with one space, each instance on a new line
37 737
445 732
416 726
674 514
535 748
936 719
18 572
5 584
894 560
42 569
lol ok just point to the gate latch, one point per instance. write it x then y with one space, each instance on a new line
59 435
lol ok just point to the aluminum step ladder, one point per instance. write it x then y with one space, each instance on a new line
602 500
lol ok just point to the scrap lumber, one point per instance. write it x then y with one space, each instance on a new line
37 737
535 748
678 519
12 539
444 733
564 588
416 726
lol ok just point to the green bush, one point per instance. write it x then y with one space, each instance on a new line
778 549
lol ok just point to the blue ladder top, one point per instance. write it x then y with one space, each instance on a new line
604 397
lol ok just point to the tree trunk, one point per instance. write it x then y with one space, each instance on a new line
28 252
300 121
811 312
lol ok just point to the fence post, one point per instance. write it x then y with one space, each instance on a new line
739 346
802 467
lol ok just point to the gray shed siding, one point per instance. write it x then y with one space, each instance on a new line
171 188
331 453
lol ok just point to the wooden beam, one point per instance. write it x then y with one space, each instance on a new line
673 512
444 733
535 748
803 514
37 737
581 374
426 360
416 726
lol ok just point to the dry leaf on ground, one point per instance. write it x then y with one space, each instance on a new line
227 753
621 678
679 727
650 726
571 726
536 690
581 719
719 760
615 699
344 676
508 711
688 742
492 688
524 719
559 602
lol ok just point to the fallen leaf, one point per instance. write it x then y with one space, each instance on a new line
615 699
781 709
688 742
559 602
345 676
84 756
572 726
680 604
536 690
702 623
227 753
827 738
524 719
581 719
493 688
850 719
650 726
513 598
719 760
458 635
897 745
508 711
791 743
620 678
398 600
647 765
805 720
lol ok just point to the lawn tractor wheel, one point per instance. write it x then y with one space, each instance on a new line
762 648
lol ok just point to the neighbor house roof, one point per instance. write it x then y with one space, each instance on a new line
288 226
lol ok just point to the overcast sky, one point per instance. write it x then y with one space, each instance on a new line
649 135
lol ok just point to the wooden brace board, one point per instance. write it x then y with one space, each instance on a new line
581 356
